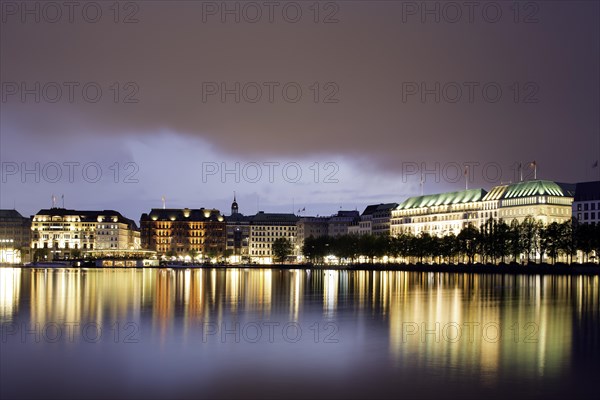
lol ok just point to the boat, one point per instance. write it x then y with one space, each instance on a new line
49 264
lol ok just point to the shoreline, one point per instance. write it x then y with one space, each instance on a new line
588 269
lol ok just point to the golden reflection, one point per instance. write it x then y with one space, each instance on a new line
526 324
10 284
330 292
485 321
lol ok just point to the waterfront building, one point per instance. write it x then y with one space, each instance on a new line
58 233
338 224
186 234
15 237
438 214
381 218
586 205
445 213
311 226
265 228
238 235
545 201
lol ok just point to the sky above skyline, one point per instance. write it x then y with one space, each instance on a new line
303 104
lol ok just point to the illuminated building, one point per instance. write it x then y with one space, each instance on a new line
72 233
438 214
586 206
191 233
546 201
238 234
15 231
265 228
445 213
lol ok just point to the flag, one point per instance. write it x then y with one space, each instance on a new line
303 209
466 172
595 164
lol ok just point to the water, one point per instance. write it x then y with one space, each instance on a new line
216 333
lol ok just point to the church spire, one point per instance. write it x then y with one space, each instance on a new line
234 205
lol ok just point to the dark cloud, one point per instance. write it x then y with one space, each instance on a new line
366 57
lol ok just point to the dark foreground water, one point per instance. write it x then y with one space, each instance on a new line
210 333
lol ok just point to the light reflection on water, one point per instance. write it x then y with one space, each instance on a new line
173 333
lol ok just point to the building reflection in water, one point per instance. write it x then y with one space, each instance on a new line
486 324
10 285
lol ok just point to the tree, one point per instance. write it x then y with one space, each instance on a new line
468 240
515 242
529 231
550 237
567 244
585 236
41 254
282 247
501 240
76 253
449 247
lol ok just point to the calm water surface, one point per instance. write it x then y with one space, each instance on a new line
210 333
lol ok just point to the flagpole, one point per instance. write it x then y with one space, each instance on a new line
521 171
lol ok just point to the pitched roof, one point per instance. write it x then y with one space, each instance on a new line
450 198
237 218
183 214
87 215
10 214
266 218
586 191
530 188
379 207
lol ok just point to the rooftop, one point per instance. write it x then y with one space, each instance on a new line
182 214
442 199
379 207
264 218
86 215
586 191
530 188
10 214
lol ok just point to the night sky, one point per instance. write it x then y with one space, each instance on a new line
364 113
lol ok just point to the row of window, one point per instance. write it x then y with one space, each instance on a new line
587 206
587 216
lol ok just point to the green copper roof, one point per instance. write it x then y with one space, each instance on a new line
528 189
431 200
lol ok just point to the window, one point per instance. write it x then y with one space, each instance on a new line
585 215
593 215
585 207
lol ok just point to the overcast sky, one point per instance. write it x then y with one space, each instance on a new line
356 96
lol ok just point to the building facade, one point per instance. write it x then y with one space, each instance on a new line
445 213
545 201
238 235
190 234
338 223
265 228
381 218
59 233
586 205
15 237
438 214
311 226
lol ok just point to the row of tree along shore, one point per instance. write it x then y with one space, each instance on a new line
494 242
